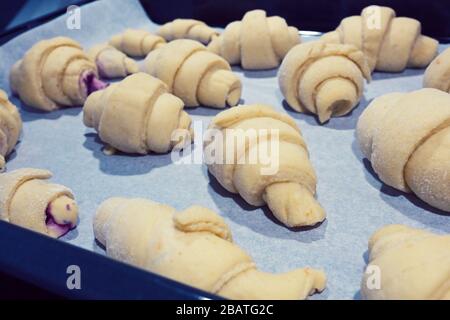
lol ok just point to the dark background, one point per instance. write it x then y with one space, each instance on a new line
316 15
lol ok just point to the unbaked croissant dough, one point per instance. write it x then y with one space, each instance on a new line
10 127
437 75
195 75
136 42
193 246
256 42
246 133
412 264
323 78
53 73
406 136
138 115
28 200
390 44
112 63
187 29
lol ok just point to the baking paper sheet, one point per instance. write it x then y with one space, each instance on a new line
357 203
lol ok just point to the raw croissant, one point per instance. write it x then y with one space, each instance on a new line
28 200
10 127
53 73
406 136
288 188
390 44
325 79
412 264
137 115
437 75
187 29
136 42
256 42
194 74
193 246
112 63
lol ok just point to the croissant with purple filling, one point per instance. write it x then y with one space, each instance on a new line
28 200
54 73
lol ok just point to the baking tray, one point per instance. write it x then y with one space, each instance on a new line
357 203
45 263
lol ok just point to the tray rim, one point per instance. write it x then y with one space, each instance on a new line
25 262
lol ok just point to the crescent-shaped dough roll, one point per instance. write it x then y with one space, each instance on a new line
260 153
411 264
406 136
136 42
138 115
112 63
390 44
256 42
195 75
437 75
323 78
54 73
187 29
28 200
10 128
194 247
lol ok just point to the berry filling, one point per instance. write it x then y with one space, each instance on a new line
55 229
91 83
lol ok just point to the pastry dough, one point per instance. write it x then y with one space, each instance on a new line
193 246
412 264
187 29
28 200
112 63
406 136
256 42
10 127
136 42
53 73
437 74
137 115
195 75
246 133
323 78
390 44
